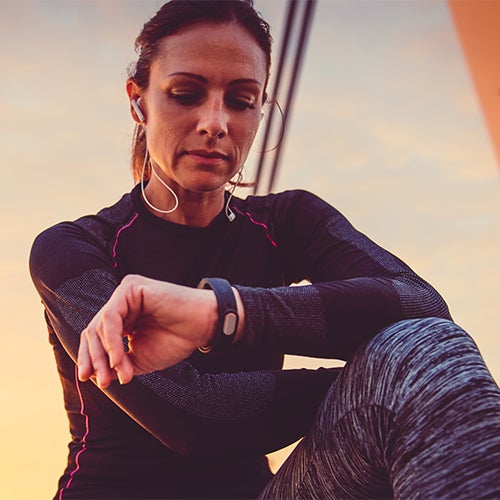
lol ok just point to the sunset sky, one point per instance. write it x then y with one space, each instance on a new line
387 126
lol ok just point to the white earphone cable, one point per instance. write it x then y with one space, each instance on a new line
143 191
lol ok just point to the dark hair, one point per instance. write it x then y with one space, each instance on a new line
171 18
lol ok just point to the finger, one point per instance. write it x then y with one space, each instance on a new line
125 371
124 368
99 358
116 319
85 367
111 319
111 334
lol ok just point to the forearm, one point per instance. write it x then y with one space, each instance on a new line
249 413
192 413
211 414
333 319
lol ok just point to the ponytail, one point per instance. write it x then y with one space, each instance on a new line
138 154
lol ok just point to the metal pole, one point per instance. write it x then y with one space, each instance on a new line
306 22
292 4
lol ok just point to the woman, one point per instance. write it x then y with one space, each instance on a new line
200 396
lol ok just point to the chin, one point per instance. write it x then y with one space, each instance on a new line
207 184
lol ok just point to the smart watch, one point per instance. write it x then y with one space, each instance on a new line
227 322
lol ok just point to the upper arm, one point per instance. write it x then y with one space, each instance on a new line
74 278
330 249
357 287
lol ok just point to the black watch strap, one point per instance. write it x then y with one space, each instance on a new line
227 322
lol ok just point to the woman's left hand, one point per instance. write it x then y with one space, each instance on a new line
164 324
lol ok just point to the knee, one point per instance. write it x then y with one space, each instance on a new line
400 357
409 340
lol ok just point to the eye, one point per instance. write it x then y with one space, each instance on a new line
241 103
185 98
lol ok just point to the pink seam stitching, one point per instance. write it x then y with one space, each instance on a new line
261 224
115 244
84 439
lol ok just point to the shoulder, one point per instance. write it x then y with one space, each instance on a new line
288 205
97 228
103 225
71 246
55 253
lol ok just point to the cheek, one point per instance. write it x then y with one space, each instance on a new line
164 134
167 122
247 134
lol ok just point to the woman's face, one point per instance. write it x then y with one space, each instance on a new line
203 104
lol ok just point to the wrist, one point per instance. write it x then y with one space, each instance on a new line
241 315
211 316
227 317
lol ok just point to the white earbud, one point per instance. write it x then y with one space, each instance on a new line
138 111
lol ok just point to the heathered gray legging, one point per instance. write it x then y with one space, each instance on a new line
414 414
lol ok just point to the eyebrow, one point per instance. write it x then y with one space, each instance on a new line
202 79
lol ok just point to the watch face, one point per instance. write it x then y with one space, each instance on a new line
229 323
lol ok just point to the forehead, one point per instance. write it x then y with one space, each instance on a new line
225 48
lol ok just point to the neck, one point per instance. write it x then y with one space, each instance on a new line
194 209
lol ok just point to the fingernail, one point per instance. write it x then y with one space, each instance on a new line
99 382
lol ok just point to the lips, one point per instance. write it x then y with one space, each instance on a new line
208 155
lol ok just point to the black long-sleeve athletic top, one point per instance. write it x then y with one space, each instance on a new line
202 427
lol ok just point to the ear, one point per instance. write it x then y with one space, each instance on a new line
134 94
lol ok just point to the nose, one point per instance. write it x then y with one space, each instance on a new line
214 118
